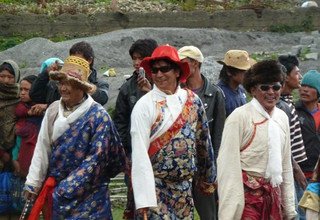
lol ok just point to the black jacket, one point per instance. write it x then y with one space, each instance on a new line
213 101
128 96
44 90
284 107
311 137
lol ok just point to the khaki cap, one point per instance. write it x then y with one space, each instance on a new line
191 52
237 58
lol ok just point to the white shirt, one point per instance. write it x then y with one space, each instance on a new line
40 160
143 116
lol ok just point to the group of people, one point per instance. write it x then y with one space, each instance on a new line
241 149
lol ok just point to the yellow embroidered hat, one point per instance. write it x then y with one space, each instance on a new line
237 58
76 69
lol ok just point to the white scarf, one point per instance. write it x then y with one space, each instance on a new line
274 166
62 123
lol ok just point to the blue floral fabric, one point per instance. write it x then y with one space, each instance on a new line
83 160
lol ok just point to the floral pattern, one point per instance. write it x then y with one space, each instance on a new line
187 155
83 160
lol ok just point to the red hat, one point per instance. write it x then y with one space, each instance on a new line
166 52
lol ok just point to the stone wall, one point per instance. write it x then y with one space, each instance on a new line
84 25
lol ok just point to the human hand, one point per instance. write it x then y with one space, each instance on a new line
54 66
143 84
38 109
5 157
143 212
29 195
299 176
16 167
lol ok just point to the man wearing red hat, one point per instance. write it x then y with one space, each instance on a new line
170 141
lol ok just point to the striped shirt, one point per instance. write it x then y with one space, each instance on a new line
297 145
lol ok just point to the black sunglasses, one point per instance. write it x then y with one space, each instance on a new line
266 87
162 69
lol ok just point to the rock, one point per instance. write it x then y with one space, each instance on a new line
311 56
295 50
308 4
111 50
306 40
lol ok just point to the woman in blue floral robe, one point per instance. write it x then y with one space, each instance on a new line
77 152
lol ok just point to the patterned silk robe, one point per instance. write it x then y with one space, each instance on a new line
82 160
180 153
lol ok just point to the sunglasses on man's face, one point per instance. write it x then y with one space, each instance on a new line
162 69
266 87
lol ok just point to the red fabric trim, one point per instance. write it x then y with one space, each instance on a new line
44 196
253 135
164 139
308 174
316 118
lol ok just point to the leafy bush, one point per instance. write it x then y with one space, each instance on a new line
8 42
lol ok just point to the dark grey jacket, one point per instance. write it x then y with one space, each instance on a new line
310 136
128 96
213 101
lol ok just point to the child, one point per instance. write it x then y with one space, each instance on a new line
311 197
27 129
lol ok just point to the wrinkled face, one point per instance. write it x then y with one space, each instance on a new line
293 78
267 95
136 60
6 77
164 76
71 94
308 94
25 87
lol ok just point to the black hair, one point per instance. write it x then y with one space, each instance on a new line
289 62
85 49
8 67
267 71
144 47
30 78
171 63
228 69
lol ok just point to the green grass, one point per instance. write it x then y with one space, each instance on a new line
8 42
117 214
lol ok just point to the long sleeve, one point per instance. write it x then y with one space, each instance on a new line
219 116
205 153
101 93
38 91
40 160
122 118
104 160
287 186
142 173
230 184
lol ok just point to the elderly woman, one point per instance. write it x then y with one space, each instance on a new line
77 152
170 141
255 178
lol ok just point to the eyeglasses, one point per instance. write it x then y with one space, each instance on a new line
266 87
162 69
